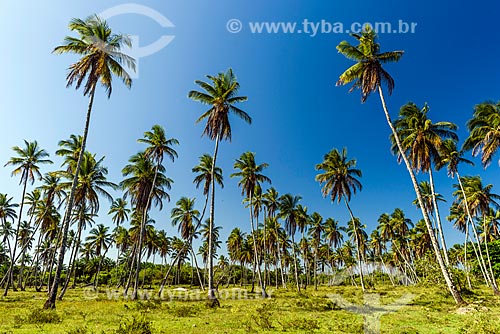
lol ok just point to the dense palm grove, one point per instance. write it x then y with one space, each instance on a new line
50 240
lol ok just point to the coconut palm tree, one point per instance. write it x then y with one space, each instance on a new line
250 174
204 175
271 201
484 134
221 95
234 244
421 139
7 212
187 218
144 177
99 239
26 164
368 75
316 232
479 199
158 147
101 58
119 211
289 213
339 180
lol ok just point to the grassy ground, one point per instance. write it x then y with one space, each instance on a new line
422 310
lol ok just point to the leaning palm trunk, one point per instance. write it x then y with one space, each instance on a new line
51 301
465 257
72 261
358 245
438 218
447 276
493 281
482 264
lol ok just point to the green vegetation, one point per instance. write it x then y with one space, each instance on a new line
431 311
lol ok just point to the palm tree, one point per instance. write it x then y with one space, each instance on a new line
288 212
484 134
204 175
101 59
368 75
250 174
234 244
271 200
220 95
158 147
316 232
26 164
421 139
339 180
7 211
144 178
99 239
185 215
479 199
119 211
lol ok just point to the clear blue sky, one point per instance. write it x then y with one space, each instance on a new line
451 62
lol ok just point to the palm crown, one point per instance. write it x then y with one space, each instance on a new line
367 74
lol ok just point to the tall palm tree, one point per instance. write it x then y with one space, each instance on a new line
26 164
271 200
221 95
101 58
234 244
204 175
484 128
288 212
144 177
421 140
368 75
158 147
250 174
339 179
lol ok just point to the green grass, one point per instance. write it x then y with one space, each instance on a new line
431 310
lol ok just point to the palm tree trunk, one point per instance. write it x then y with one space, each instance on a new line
482 264
295 264
465 256
196 266
211 292
72 261
493 281
438 218
358 245
13 253
256 254
50 303
279 259
446 274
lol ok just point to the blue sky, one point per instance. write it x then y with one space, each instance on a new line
450 62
